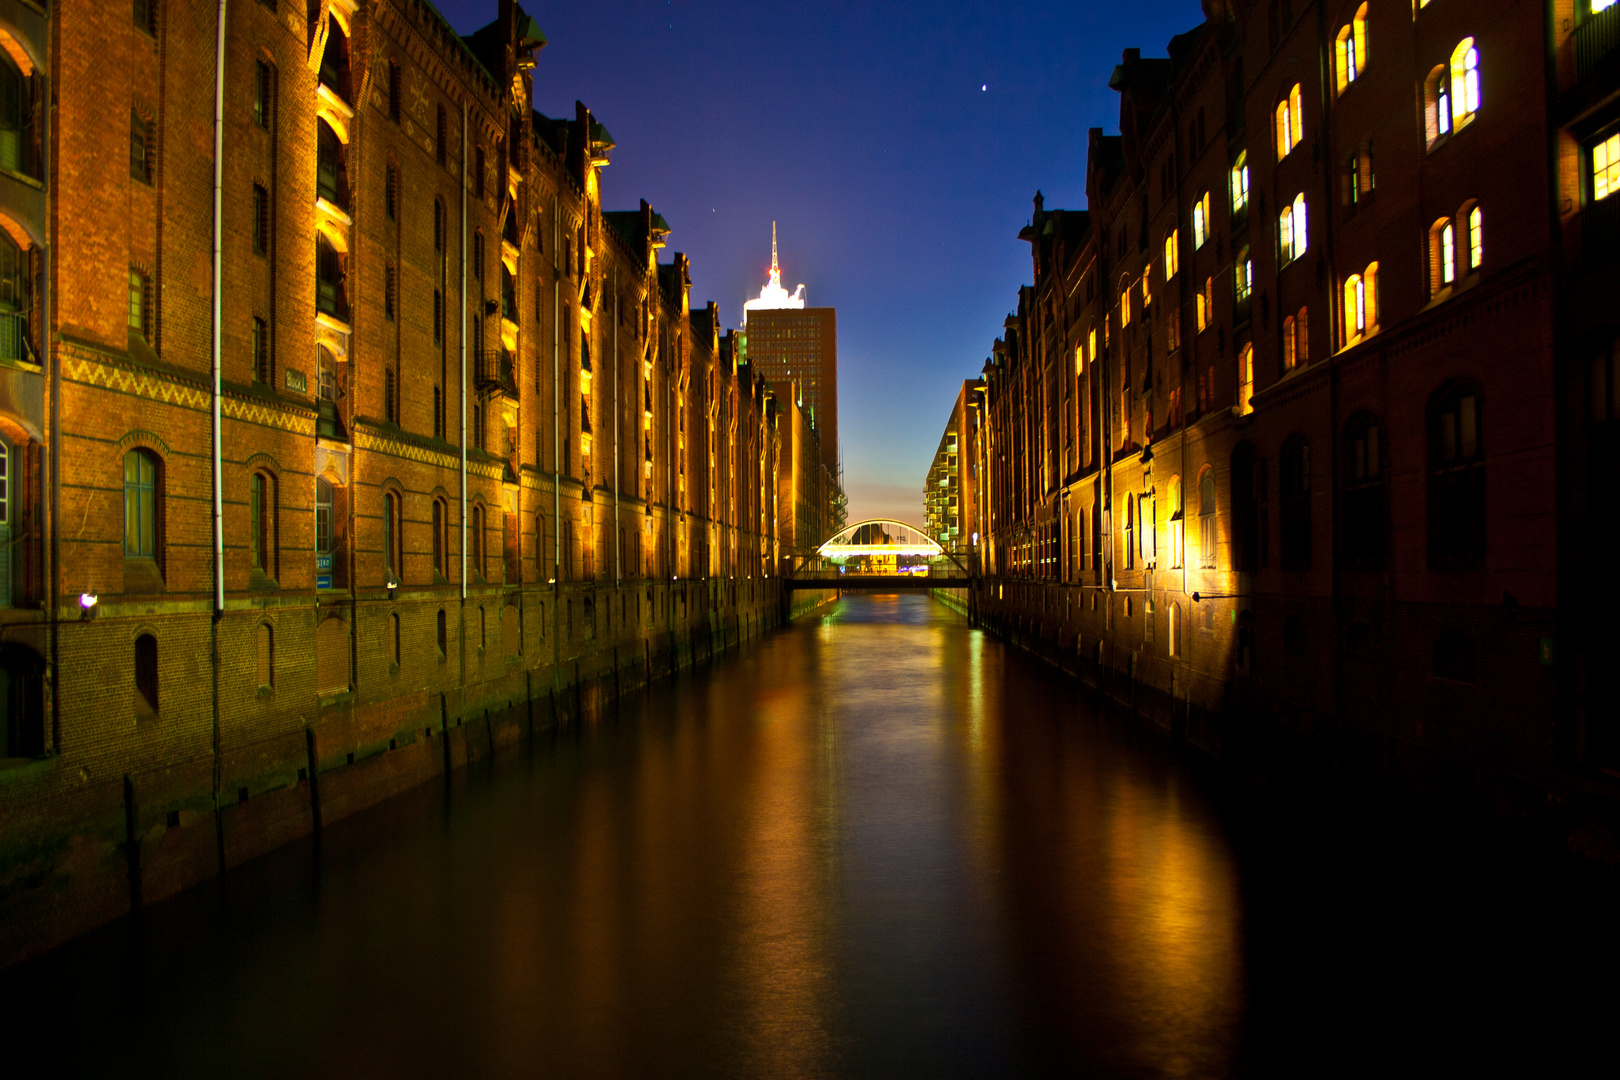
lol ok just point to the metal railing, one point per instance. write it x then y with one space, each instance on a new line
15 342
1595 39
493 371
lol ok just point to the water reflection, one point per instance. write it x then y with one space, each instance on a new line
880 844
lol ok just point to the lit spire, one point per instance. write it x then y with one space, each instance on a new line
773 295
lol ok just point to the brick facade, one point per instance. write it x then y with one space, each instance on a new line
1309 525
477 453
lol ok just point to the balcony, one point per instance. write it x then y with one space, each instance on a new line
1600 228
493 373
1595 39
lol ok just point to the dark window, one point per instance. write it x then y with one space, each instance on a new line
1362 506
331 183
323 516
393 626
438 413
444 634
261 521
438 536
1294 475
140 148
391 192
146 15
478 173
390 288
394 91
390 396
329 290
263 94
478 255
264 371
22 701
1455 657
438 317
146 672
261 219
19 152
1456 479
334 73
140 305
391 558
1206 520
1246 510
508 295
140 504
441 136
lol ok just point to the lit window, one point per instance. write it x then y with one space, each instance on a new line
1206 305
1464 82
1200 217
1476 243
1350 50
1291 231
1240 182
140 504
1355 305
1170 253
1302 336
1448 254
1601 5
1290 123
1125 305
1606 167
1246 380
1243 276
1290 359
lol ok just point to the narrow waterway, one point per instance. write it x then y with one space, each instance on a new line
877 844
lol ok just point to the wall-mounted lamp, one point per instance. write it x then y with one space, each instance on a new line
392 587
87 605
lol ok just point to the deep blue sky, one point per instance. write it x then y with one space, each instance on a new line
896 144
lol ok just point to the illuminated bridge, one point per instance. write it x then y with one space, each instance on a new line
882 554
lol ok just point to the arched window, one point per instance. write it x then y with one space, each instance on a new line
1464 72
1361 303
1239 182
146 676
1350 50
1130 532
1292 236
331 180
1442 255
1178 521
334 73
264 638
1295 476
1362 504
141 505
440 540
443 630
1456 479
1290 123
1246 380
262 523
476 525
1290 356
1206 518
1437 105
1474 223
1200 220
1455 657
1173 641
393 563
323 516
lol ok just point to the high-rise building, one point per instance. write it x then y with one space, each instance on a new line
791 343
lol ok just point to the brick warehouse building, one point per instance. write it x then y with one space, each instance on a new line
1290 442
474 452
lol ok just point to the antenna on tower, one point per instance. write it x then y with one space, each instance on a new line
775 270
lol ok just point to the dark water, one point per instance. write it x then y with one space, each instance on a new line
879 844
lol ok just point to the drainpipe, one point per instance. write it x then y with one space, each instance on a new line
462 392
219 523
556 437
219 189
618 570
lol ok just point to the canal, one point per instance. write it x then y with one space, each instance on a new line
879 843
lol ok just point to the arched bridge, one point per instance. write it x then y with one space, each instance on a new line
882 554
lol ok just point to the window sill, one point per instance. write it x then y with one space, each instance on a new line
331 98
18 364
23 178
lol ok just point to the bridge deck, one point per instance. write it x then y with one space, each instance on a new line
878 582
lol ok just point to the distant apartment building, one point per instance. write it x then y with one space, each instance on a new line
951 491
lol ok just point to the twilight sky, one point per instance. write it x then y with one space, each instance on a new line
897 144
